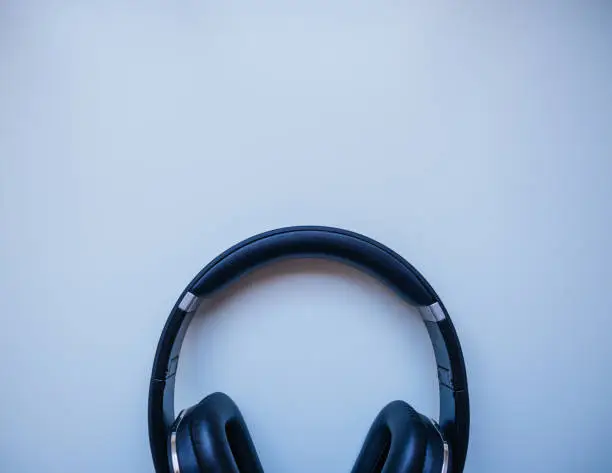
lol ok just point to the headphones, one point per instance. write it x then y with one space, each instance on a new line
212 437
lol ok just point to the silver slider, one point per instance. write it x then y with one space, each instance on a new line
189 302
432 313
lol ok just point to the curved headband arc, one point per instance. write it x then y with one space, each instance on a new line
331 243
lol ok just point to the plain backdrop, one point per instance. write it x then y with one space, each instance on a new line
140 139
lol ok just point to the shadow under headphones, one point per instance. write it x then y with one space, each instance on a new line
212 437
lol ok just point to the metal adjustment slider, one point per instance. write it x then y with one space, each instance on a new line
189 302
432 313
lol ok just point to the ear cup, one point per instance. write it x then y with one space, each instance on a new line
212 437
186 459
434 453
400 441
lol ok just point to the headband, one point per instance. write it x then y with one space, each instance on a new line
329 243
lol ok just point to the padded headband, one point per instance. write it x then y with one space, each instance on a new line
330 243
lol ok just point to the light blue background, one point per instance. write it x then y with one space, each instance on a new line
139 140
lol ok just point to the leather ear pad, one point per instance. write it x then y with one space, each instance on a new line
213 438
400 441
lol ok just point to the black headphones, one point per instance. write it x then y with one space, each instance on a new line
212 437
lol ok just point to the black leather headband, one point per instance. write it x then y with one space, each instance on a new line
326 242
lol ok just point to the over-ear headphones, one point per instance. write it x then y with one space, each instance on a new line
212 437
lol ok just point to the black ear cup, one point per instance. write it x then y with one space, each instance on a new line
400 441
434 454
212 437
